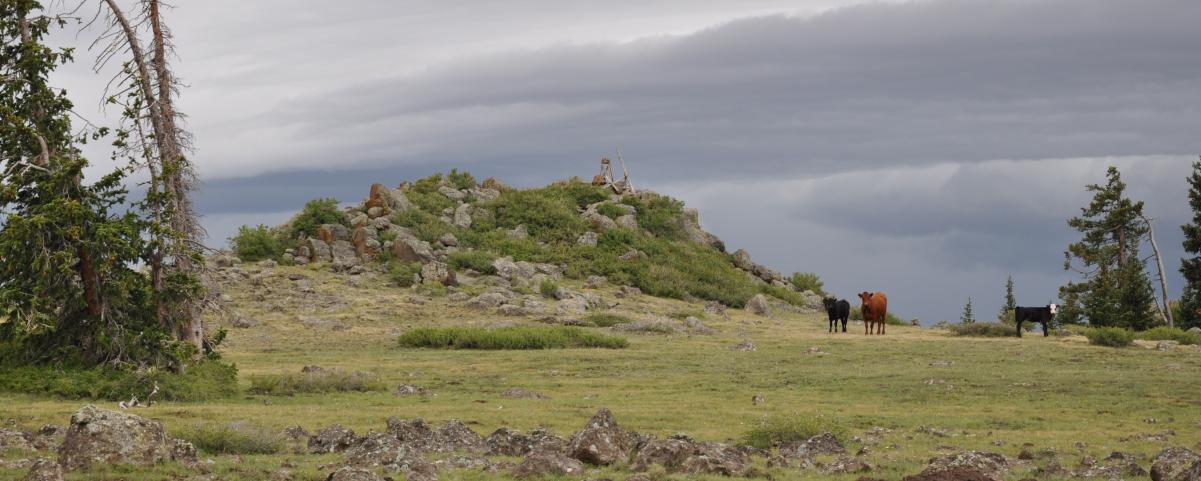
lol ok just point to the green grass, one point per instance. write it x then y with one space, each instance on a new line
1164 333
206 381
234 438
983 329
778 430
605 319
323 381
1110 336
509 338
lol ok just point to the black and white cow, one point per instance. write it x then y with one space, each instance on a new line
1041 315
839 310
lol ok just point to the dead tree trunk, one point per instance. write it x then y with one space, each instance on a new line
156 85
1166 308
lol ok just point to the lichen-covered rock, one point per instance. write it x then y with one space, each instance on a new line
14 440
669 453
44 469
108 437
333 439
758 305
547 463
456 436
349 473
1176 464
717 458
965 465
824 443
601 442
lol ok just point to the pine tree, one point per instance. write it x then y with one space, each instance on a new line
1116 290
68 289
967 316
1190 298
1011 303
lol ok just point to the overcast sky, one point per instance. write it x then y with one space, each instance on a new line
926 149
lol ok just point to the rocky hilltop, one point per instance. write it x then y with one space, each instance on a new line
450 229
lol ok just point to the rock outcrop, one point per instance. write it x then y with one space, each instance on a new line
99 436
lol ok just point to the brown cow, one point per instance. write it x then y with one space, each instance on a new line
875 311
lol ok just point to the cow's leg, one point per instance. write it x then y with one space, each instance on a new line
1045 324
1019 323
844 324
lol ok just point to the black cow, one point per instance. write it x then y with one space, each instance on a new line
1041 315
839 310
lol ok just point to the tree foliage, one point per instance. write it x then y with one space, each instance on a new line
967 317
1116 290
1190 299
69 292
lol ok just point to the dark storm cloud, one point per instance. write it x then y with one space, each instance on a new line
860 87
867 144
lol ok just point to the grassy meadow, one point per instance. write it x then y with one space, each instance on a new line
997 394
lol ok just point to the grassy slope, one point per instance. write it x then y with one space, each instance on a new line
1046 391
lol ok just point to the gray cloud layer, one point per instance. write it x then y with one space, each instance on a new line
922 148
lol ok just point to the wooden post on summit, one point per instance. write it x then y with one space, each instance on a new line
606 177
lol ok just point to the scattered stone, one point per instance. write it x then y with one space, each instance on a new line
353 474
601 442
1116 466
456 436
745 346
717 458
1176 464
547 463
572 306
14 440
848 465
595 282
695 326
108 437
757 399
333 439
323 323
244 323
941 363
519 393
824 443
588 239
449 240
44 469
964 466
404 390
758 305
625 292
487 300
669 453
817 351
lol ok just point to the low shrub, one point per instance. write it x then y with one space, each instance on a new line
611 211
548 287
776 431
1110 336
548 337
983 329
784 294
808 281
478 261
319 381
654 326
403 273
604 319
460 180
315 213
234 438
204 381
1164 333
682 314
256 243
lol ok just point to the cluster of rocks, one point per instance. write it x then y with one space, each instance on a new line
419 451
96 437
758 272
